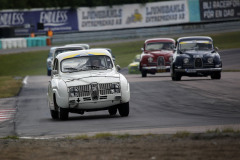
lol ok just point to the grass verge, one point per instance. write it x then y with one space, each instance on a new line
9 86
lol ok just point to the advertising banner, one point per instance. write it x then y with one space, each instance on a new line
219 9
56 19
132 16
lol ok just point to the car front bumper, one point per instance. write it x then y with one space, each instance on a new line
156 68
199 70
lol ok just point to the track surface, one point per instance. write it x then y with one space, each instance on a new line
156 102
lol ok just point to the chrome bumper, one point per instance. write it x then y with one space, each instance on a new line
156 67
199 70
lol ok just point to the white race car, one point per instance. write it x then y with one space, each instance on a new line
87 80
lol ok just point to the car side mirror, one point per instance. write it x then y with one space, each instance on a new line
216 48
142 49
118 67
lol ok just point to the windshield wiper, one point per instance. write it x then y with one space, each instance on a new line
71 68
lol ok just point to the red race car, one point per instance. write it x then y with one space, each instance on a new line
156 56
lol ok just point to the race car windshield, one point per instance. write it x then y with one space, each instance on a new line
84 63
156 46
195 45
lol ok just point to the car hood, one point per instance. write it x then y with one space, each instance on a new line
161 53
198 54
93 76
133 64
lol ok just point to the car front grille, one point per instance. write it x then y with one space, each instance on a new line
95 91
84 91
198 63
160 61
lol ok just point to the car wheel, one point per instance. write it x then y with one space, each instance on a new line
112 111
123 109
62 113
54 114
144 73
176 76
216 75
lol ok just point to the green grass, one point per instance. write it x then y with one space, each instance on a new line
31 63
224 130
9 86
227 40
124 52
11 137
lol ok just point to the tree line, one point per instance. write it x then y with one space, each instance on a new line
29 4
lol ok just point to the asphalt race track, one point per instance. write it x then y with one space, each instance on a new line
157 103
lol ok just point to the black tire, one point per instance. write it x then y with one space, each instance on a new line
144 73
112 111
176 76
123 109
216 75
54 114
62 113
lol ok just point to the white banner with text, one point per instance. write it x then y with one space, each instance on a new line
132 16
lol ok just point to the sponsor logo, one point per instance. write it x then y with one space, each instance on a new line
134 18
53 18
11 19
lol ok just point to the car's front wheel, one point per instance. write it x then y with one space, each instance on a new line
123 109
175 76
62 113
54 114
216 75
112 111
144 73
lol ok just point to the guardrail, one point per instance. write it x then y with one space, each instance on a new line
9 43
146 32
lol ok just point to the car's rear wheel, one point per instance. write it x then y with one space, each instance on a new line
54 114
216 75
123 109
112 111
63 113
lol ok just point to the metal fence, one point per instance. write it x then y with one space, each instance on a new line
146 32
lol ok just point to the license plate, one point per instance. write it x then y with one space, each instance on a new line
190 70
161 67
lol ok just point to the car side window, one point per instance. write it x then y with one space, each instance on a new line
55 66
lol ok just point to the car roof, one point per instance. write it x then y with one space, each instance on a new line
109 50
194 38
86 46
79 53
160 39
70 47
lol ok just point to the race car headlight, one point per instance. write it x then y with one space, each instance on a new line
210 60
73 92
150 59
115 88
186 60
170 59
